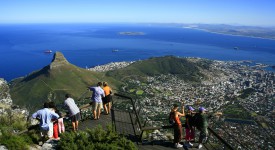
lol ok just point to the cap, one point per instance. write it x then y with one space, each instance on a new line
202 109
190 108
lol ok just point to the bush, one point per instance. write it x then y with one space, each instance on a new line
15 142
96 138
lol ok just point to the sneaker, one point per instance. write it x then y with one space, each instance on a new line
189 143
200 146
178 145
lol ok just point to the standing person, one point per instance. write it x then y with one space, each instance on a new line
54 131
202 125
177 125
189 128
61 127
74 111
97 96
45 117
107 98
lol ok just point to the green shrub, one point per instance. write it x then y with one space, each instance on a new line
15 142
96 138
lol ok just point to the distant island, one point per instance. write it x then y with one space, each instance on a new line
250 31
131 33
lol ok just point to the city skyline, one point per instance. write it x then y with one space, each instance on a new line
234 12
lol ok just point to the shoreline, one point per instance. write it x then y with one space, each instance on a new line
273 39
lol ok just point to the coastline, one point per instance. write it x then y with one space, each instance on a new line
273 39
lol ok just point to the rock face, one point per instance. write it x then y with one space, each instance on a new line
58 60
5 98
6 104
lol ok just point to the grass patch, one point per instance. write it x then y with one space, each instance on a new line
236 111
139 92
264 125
143 84
253 114
132 90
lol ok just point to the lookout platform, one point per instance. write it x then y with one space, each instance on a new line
105 120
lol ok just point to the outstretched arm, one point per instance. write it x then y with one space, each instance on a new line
181 114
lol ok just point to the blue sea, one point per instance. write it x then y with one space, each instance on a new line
22 46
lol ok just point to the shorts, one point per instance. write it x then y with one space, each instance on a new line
75 117
97 105
107 99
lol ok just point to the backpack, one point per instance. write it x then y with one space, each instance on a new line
171 118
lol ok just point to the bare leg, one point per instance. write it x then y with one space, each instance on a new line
76 125
105 108
109 107
73 123
94 113
98 112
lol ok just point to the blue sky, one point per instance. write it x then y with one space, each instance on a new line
236 12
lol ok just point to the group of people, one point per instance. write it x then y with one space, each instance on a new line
51 120
101 98
192 120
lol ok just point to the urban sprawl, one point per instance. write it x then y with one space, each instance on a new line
241 90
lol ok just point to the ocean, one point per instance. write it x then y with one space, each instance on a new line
22 46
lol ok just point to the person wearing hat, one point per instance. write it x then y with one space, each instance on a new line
175 114
189 128
202 126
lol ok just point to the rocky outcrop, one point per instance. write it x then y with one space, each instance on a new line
58 60
5 98
6 105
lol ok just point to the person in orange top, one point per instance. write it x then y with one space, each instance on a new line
107 99
177 125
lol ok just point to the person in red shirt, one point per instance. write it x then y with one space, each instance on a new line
177 125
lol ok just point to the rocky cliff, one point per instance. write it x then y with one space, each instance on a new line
5 98
6 104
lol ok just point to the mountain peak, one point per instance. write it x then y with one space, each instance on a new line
58 60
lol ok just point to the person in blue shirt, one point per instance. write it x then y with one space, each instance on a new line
98 94
45 116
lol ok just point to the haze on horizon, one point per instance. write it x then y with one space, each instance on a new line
234 12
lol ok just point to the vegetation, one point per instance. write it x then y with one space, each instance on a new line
93 139
246 92
236 111
96 138
10 124
52 82
181 67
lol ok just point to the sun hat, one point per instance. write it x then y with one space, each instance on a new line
190 108
202 109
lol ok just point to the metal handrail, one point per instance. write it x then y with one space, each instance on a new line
144 128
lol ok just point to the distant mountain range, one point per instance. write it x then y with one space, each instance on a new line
60 77
251 31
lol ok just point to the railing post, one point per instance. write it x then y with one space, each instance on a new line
113 119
